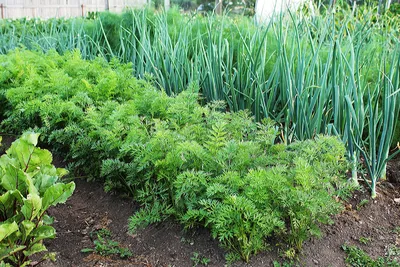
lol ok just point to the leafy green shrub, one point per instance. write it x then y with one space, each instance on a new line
29 186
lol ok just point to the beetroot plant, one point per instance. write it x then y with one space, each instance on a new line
29 185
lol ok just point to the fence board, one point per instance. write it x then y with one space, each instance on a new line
11 9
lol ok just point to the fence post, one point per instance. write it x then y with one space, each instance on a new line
167 4
83 13
218 7
2 11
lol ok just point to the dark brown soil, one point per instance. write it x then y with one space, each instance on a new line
377 223
89 209
167 244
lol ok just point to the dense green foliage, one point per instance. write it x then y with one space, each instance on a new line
232 59
29 185
335 73
203 166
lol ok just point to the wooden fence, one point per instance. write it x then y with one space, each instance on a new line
10 9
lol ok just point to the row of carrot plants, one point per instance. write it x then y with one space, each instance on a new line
197 163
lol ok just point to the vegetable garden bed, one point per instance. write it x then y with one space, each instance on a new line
257 185
180 161
167 244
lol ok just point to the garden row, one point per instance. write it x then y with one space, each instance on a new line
199 164
337 73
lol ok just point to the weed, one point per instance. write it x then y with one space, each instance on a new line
188 241
356 257
284 264
362 203
289 253
393 251
198 259
364 240
105 246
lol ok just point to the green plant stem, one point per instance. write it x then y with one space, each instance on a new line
354 174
